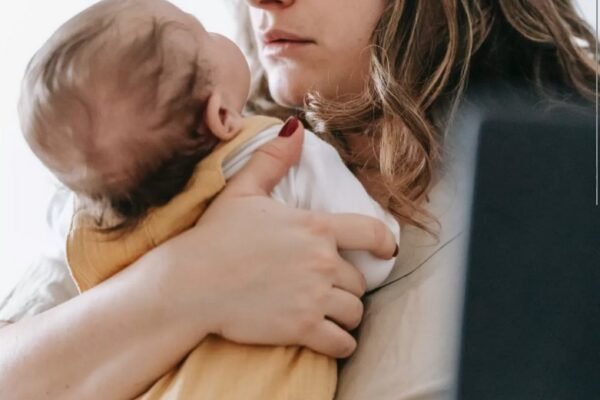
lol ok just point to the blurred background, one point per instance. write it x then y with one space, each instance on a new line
26 185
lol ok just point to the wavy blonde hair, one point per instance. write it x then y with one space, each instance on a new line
422 55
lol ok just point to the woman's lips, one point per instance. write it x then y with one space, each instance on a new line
279 43
281 48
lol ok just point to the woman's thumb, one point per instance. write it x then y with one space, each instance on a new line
270 163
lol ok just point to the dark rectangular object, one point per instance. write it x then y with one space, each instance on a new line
531 318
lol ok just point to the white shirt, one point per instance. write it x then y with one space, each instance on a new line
320 182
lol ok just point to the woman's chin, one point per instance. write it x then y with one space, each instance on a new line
288 93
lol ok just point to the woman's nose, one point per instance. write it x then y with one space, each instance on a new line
266 4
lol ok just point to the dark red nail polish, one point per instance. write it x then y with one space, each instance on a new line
290 127
396 251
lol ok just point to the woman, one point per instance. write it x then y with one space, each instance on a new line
392 71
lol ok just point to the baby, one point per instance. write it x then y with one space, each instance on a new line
138 109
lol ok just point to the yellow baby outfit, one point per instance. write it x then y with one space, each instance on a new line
216 369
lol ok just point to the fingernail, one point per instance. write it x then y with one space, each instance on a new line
396 251
289 127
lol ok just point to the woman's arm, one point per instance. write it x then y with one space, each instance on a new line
107 343
252 270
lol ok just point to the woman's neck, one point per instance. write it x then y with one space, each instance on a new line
363 161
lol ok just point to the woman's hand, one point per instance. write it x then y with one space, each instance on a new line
273 274
252 270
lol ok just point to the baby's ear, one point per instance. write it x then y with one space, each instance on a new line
224 122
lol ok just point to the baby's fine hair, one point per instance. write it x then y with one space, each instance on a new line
118 120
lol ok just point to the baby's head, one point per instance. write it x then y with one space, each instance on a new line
125 98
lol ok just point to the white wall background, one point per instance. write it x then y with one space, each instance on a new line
25 185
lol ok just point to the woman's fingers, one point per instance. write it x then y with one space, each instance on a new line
344 308
269 163
360 232
329 339
348 278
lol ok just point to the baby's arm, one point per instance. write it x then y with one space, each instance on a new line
322 182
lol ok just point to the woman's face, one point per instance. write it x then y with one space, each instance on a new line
317 45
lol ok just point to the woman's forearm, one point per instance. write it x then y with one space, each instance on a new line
109 343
